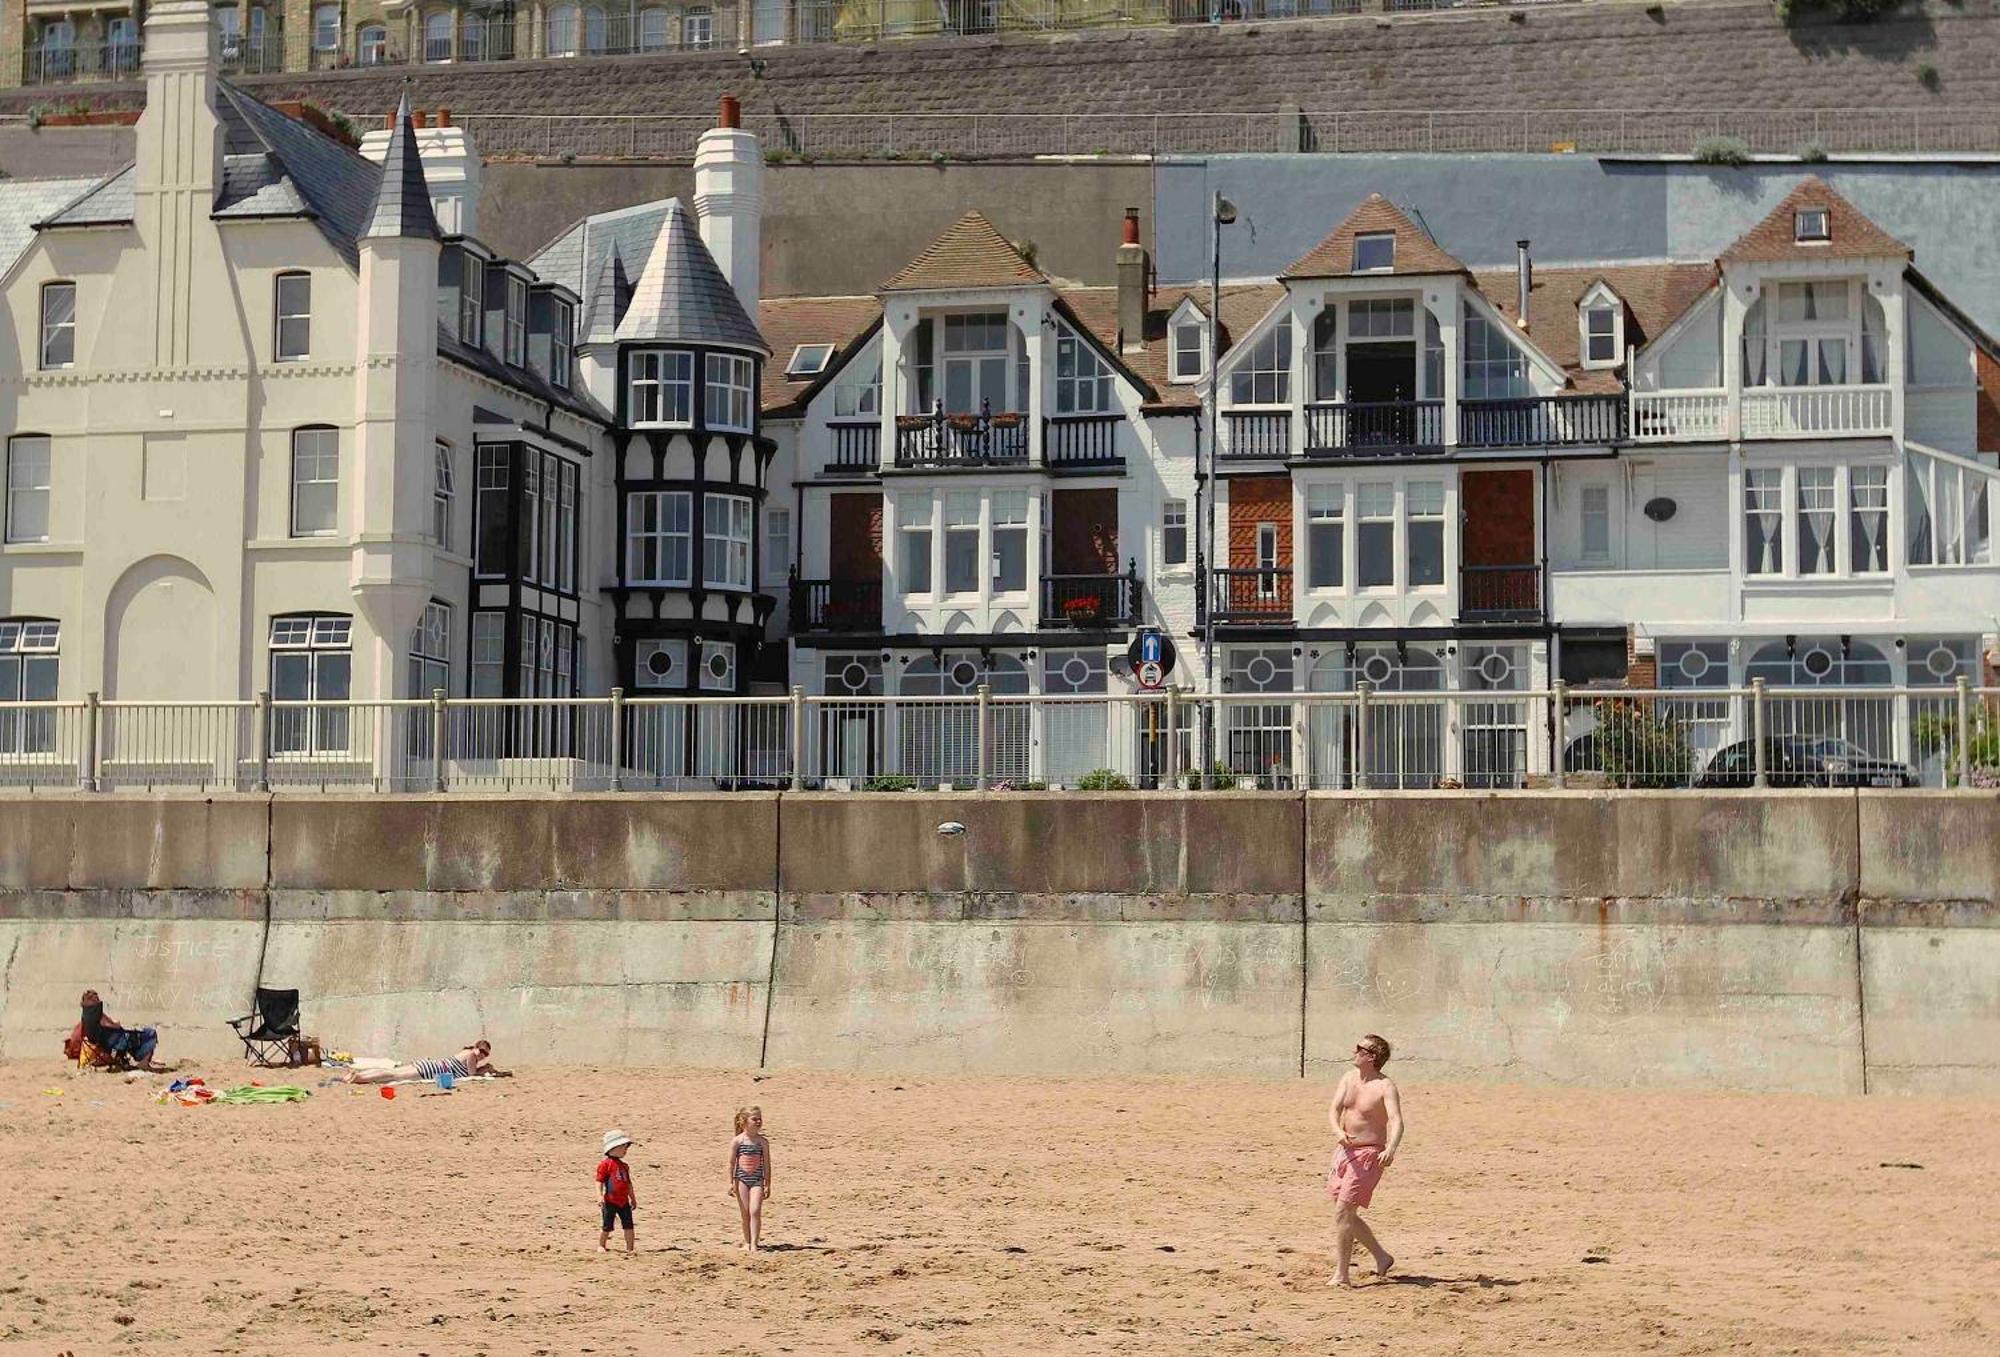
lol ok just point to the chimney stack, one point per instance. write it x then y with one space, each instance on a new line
729 200
1524 282
1132 268
451 168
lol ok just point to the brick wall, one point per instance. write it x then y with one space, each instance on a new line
1988 427
1693 57
1254 500
1641 671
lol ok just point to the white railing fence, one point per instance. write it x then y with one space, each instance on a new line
1361 739
1808 411
1676 416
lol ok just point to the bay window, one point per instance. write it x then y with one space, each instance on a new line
913 528
1326 535
1010 542
961 542
727 523
1946 512
430 651
659 537
726 390
1763 522
1868 503
1424 509
1375 534
660 388
492 476
1814 521
976 357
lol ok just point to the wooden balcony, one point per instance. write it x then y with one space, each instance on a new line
1679 416
1816 411
942 441
1251 596
1255 436
857 448
1542 421
836 605
1091 601
1500 593
1082 442
1374 428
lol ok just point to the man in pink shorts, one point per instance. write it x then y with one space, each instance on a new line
1367 1117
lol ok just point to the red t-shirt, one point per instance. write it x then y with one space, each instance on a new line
616 1178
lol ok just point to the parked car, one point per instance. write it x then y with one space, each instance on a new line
1804 761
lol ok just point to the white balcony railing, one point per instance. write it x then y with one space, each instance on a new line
1679 416
1815 411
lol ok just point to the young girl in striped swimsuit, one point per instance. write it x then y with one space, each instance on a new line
750 1173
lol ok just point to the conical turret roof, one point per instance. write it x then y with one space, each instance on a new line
403 202
682 296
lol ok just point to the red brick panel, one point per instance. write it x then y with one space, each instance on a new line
1254 500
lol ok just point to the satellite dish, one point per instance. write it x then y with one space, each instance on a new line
1661 509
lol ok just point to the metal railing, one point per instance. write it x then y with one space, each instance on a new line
836 605
1541 421
941 440
1091 601
1256 435
1360 738
1374 428
1500 593
1082 440
1253 594
857 448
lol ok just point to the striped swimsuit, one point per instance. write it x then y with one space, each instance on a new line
431 1069
751 1151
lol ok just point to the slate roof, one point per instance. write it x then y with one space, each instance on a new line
1773 240
275 165
607 300
682 294
1333 257
970 254
577 402
107 202
403 200
576 258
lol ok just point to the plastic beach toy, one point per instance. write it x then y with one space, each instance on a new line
445 1081
388 1092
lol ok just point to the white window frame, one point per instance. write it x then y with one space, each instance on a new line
1014 504
515 334
1600 301
58 335
1407 530
1764 500
1375 503
667 506
916 538
777 546
1173 519
444 489
1821 498
1876 486
430 651
1812 226
1267 561
1599 513
709 680
1326 506
957 526
327 642
292 313
1187 317
667 378
976 362
1263 376
808 360
1491 365
326 38
315 462
30 478
728 392
728 528
697 30
857 392
1814 333
562 342
1375 241
471 299
1083 378
30 671
371 45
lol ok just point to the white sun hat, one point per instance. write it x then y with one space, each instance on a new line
613 1139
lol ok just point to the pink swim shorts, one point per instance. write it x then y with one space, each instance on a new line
1356 1170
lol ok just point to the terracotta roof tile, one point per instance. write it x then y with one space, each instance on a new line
787 322
970 254
1853 235
1655 295
1416 252
1096 308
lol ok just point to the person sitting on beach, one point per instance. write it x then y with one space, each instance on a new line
470 1060
121 1044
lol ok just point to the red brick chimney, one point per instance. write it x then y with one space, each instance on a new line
1132 269
731 113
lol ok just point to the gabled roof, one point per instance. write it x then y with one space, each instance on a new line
1333 257
108 202
274 165
403 200
1773 239
576 258
970 254
847 323
682 294
1096 308
1655 295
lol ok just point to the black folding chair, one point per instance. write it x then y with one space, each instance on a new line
273 1028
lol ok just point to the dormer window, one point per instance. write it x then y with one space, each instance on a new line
1601 327
516 337
472 302
809 360
1812 226
1188 341
1375 253
562 330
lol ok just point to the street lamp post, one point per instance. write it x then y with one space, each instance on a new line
1222 213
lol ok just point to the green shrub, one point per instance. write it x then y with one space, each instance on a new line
1103 780
1812 153
1722 151
1850 11
1636 745
893 782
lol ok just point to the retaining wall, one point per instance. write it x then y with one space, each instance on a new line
1823 942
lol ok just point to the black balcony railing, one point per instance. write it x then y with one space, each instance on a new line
1500 593
1257 594
836 605
857 448
1256 435
1374 428
1087 601
1541 421
1082 440
941 440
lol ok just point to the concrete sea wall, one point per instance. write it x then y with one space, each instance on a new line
1811 941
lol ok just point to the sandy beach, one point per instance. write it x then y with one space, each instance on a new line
987 1215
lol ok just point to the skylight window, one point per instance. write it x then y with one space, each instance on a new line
1374 253
1812 225
809 360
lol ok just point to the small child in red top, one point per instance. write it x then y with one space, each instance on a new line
614 1189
